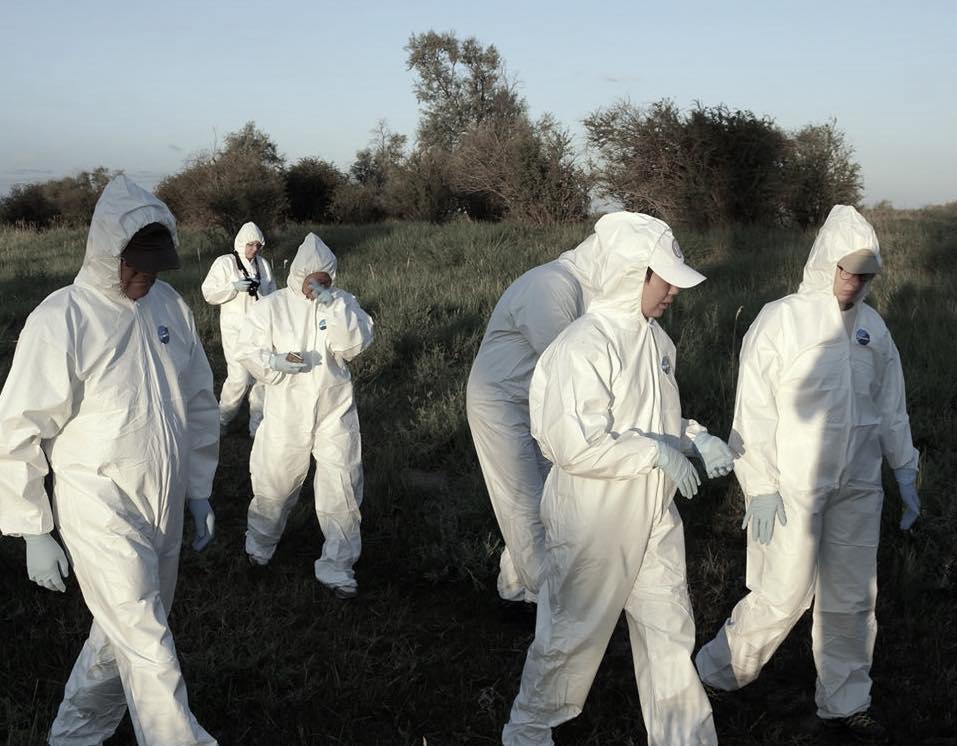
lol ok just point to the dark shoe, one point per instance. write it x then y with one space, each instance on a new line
345 592
861 725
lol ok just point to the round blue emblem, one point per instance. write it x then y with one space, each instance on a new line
863 337
666 364
322 324
163 334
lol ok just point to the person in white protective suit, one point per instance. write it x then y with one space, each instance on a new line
110 386
528 316
297 341
820 401
234 283
605 409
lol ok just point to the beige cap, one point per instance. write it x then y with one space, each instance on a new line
860 262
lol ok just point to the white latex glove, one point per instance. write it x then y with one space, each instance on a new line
320 293
907 484
242 286
205 522
681 471
47 564
760 514
279 361
718 458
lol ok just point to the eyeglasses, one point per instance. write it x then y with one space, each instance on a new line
848 275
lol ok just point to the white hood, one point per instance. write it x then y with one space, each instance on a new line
123 208
844 232
313 256
247 234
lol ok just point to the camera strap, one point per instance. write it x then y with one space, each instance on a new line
242 268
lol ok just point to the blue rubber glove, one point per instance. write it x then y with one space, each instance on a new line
47 564
673 463
760 514
717 457
320 293
205 522
907 484
242 286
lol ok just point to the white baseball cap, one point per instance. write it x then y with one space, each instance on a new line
668 262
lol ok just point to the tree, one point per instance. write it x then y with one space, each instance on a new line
26 205
311 187
460 84
821 173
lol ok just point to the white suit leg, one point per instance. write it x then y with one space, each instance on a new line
278 466
257 397
674 705
237 383
781 576
594 551
127 584
513 471
844 624
94 701
338 493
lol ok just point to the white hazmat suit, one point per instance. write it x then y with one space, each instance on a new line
117 396
309 412
219 290
602 399
820 400
528 316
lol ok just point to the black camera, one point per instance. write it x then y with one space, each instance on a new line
253 288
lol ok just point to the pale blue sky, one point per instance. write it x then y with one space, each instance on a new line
139 86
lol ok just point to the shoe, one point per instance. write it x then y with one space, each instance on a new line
861 725
257 561
345 592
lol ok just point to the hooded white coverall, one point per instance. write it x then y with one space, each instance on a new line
601 395
817 407
117 396
312 412
528 316
233 305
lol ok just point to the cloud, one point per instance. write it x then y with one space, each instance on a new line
30 172
175 148
621 78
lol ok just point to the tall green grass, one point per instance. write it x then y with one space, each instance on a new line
427 654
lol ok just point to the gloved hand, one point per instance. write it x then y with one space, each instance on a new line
242 286
205 522
718 458
761 512
47 564
681 471
907 484
279 361
320 293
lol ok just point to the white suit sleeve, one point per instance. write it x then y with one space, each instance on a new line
202 423
36 402
572 395
218 285
754 431
254 345
350 328
896 441
267 282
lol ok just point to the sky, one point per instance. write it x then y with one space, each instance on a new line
140 87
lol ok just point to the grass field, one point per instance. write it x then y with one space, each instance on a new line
427 654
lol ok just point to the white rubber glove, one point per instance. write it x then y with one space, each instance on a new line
278 361
320 293
718 458
205 522
760 514
679 469
47 564
907 484
242 286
